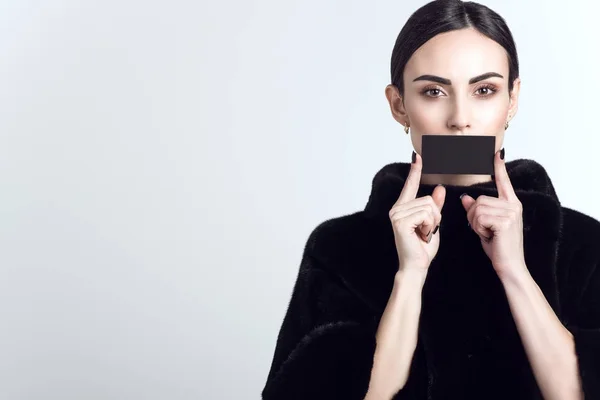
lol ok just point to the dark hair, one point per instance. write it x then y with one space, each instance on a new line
441 16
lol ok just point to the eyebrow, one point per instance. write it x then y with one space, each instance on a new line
445 81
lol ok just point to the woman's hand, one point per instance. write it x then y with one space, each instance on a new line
499 223
416 221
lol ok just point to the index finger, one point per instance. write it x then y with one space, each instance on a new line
505 188
411 185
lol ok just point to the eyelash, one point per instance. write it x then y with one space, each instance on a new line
493 89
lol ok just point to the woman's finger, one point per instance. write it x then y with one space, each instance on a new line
419 219
411 185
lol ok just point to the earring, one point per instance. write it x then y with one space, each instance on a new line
406 128
506 125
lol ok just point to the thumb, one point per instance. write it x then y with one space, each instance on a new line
467 202
439 196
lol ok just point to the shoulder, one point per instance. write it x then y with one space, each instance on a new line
358 249
575 218
579 252
578 266
580 232
345 237
347 242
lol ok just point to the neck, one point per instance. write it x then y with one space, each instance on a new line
454 179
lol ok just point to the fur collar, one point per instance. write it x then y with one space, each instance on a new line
526 176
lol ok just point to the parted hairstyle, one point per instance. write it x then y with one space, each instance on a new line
441 16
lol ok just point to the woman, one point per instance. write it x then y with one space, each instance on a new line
448 286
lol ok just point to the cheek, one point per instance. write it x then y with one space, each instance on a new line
424 119
490 116
485 115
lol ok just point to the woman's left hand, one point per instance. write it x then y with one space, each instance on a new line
498 221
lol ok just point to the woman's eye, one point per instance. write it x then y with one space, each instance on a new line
486 91
432 92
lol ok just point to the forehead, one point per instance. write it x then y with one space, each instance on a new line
459 54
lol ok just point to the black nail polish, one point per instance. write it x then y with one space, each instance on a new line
502 154
414 156
436 229
462 195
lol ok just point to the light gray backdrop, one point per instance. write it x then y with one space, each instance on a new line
162 164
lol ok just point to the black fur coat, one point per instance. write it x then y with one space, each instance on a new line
468 345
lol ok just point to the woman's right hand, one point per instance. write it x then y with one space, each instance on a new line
414 221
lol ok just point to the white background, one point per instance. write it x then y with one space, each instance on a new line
162 164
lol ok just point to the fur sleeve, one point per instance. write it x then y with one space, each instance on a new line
585 328
326 342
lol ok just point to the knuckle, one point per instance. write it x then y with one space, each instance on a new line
395 209
430 217
477 219
431 209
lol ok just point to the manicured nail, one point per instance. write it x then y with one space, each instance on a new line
436 229
462 195
414 156
502 154
429 237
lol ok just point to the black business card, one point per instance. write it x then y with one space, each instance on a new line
458 154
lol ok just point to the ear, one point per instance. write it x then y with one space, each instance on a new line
514 99
396 104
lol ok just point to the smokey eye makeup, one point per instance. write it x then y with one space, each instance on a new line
483 91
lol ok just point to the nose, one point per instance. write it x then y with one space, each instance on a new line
459 120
